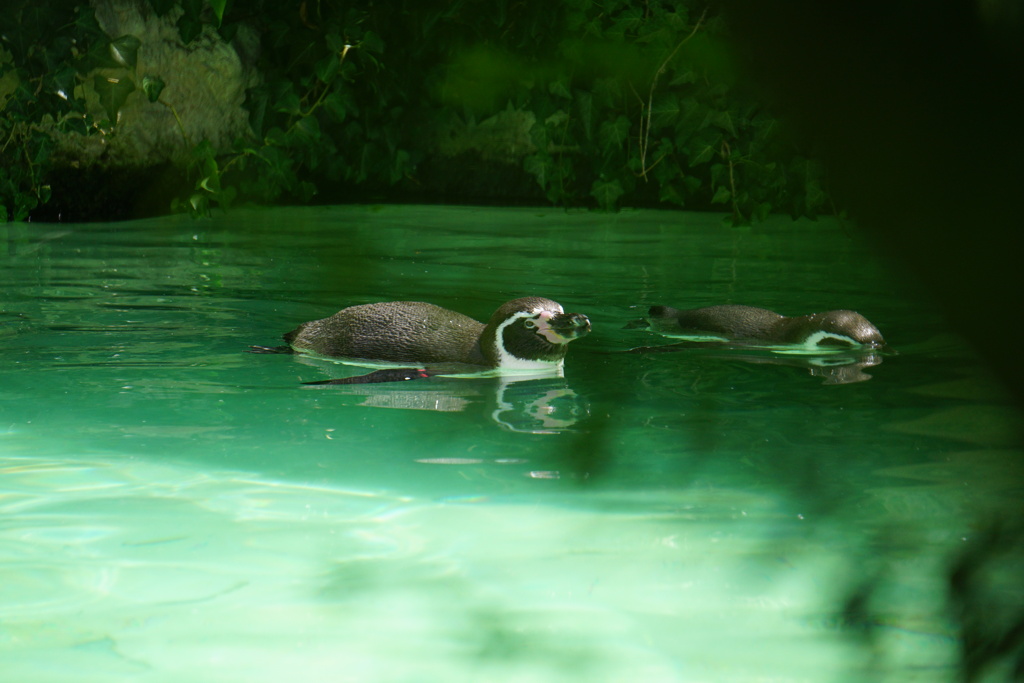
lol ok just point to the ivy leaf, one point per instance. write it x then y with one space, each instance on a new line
762 211
371 42
556 119
228 31
113 92
285 98
607 193
218 9
336 104
336 42
306 131
613 134
584 103
702 155
210 183
152 86
665 110
669 195
125 50
61 82
76 124
199 205
256 101
537 166
192 8
327 68
85 21
559 89
723 119
401 165
162 7
189 28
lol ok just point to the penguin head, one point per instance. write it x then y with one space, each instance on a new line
841 328
531 334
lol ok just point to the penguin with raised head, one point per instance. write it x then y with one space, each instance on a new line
840 328
531 333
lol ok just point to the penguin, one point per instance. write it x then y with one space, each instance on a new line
530 333
840 328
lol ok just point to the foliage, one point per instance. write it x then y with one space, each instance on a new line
46 52
325 111
635 103
645 108
49 52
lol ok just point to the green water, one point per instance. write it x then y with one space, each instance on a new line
174 508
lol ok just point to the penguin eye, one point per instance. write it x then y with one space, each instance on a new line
530 324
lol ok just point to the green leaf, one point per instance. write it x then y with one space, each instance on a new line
336 104
256 101
305 191
607 193
558 88
229 30
189 28
210 183
162 7
613 134
665 110
199 205
125 50
327 68
557 119
335 42
762 211
61 82
722 195
113 93
152 86
584 103
86 20
703 155
719 174
723 119
537 166
371 42
306 131
401 166
218 9
192 8
286 100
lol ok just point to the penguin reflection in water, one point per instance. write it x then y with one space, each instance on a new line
528 334
835 345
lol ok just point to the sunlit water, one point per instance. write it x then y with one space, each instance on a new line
174 508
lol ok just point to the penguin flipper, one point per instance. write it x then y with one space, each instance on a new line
379 377
270 349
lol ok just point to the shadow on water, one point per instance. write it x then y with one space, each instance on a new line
929 168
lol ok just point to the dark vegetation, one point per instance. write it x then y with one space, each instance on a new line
632 104
916 111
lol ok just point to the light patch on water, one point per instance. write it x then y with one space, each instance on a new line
169 573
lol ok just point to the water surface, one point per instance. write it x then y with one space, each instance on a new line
177 509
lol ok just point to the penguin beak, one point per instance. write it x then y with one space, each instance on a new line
569 326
